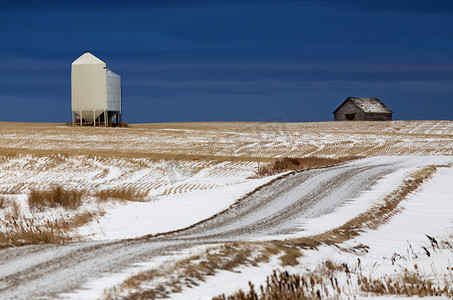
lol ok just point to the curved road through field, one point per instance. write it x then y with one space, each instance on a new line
41 271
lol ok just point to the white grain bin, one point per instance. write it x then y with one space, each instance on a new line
96 92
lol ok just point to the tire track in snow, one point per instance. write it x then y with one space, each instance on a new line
276 209
47 270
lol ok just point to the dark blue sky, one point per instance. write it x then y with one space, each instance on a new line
230 60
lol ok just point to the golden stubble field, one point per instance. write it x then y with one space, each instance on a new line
240 141
104 167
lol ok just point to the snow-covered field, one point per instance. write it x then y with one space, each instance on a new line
168 212
187 173
388 252
245 141
176 194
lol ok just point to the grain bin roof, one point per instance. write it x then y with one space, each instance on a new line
368 105
88 59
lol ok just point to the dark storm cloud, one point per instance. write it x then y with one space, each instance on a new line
202 60
405 6
82 5
99 5
418 6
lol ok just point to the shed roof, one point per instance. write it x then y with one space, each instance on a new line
368 105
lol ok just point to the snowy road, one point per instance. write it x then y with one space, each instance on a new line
42 271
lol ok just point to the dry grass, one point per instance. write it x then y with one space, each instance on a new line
25 231
315 285
22 231
186 272
55 197
19 230
329 268
290 256
334 280
280 285
78 220
294 163
120 194
7 155
408 283
151 156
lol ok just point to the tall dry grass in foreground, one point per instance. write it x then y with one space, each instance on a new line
25 231
55 197
327 283
335 280
18 230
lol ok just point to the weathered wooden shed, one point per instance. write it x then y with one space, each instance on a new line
362 109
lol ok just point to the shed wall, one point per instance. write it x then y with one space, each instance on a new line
378 117
349 108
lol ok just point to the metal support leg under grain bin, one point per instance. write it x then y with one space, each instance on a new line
96 118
